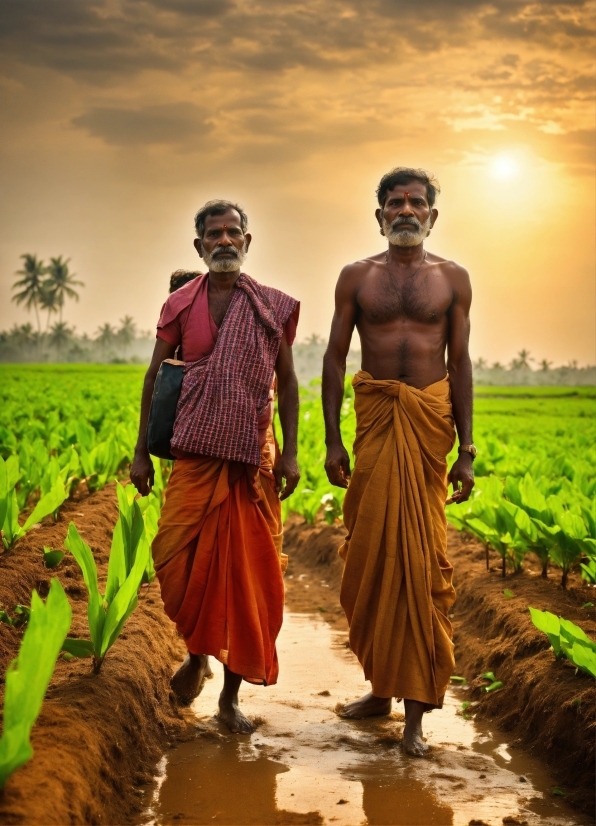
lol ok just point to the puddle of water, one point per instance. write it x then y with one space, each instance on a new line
304 765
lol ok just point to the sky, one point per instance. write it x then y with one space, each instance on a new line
122 117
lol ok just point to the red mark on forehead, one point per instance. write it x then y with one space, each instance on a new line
225 226
406 194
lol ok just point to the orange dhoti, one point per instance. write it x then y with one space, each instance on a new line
218 559
396 588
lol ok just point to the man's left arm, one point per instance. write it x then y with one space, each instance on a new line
459 365
286 466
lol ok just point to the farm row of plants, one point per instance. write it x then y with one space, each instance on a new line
47 625
60 433
535 477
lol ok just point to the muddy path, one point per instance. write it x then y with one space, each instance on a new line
306 765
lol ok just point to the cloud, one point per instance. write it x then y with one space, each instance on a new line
170 123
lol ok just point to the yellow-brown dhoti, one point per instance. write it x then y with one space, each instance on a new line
396 588
218 559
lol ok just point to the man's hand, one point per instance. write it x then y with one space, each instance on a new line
286 468
142 473
461 476
337 465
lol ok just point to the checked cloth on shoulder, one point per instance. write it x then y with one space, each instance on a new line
224 394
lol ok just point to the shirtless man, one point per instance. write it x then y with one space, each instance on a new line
411 308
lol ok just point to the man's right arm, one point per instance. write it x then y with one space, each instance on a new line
141 471
337 463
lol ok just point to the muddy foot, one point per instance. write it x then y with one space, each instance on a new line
230 714
367 706
414 744
187 682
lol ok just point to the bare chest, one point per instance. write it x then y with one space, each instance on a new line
424 298
218 305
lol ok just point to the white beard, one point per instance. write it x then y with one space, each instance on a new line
407 236
224 264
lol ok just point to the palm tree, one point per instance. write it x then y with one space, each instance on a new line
105 336
480 364
48 300
61 282
60 334
30 284
545 365
524 358
127 332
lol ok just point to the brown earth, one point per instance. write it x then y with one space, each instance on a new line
545 704
98 737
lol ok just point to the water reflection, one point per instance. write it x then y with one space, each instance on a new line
214 782
396 798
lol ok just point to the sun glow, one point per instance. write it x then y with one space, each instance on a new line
504 167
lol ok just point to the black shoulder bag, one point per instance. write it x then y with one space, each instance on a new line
162 415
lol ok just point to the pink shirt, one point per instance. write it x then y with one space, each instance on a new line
186 322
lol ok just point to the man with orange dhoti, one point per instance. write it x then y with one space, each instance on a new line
217 553
411 308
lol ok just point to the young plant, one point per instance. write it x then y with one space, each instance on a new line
9 507
129 556
28 676
567 639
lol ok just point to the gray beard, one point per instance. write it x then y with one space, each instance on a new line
407 236
224 264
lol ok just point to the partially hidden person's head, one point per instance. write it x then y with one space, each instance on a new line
181 277
406 212
222 239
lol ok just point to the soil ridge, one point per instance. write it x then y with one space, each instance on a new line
544 703
98 737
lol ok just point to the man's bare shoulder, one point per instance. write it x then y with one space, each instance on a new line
360 268
457 275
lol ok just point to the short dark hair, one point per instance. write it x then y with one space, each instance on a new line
218 207
403 175
181 277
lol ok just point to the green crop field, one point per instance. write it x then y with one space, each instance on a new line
68 430
66 425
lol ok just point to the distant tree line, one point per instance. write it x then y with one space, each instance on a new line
44 289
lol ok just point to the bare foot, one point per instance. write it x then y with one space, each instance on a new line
187 682
414 744
230 714
367 706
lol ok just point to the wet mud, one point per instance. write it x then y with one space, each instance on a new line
306 765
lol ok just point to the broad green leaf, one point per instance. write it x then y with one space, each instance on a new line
28 676
82 553
11 528
509 594
489 675
3 491
550 625
125 601
117 562
52 558
571 633
78 648
46 505
493 686
583 657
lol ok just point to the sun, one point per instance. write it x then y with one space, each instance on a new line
504 167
